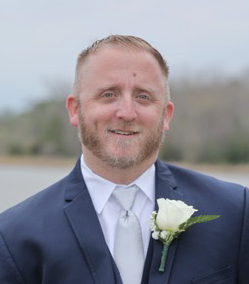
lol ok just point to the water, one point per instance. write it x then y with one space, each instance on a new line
17 182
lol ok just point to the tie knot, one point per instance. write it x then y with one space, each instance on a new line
125 196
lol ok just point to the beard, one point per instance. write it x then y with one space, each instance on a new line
145 146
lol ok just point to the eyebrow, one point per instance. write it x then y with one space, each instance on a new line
107 87
147 90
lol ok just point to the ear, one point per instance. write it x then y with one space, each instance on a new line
72 108
169 111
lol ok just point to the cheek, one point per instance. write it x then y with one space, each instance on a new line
98 117
151 119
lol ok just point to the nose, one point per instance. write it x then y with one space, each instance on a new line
127 109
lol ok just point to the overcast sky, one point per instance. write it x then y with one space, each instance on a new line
40 39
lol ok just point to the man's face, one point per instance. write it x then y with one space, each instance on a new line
122 114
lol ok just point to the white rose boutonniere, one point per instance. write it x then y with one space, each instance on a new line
173 217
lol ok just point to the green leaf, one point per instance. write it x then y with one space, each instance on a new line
198 219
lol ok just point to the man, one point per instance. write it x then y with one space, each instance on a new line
67 234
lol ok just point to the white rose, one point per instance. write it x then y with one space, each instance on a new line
172 213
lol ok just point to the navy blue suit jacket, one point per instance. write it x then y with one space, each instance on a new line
55 237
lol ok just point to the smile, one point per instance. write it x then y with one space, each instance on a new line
121 132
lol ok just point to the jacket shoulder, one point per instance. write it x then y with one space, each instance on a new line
41 203
44 202
205 189
182 174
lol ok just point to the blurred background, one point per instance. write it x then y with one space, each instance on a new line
205 43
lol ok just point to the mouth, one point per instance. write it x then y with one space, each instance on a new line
122 132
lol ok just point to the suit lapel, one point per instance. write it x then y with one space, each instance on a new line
86 227
166 187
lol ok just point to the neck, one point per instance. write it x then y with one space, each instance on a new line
114 174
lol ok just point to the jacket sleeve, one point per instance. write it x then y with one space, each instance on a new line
9 273
243 265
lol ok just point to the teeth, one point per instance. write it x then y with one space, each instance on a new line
123 132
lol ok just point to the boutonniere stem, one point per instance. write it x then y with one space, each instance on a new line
164 257
173 218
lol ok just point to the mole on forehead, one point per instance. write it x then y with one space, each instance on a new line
134 74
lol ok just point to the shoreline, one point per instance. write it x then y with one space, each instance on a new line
70 162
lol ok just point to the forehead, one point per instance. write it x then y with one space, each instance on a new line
121 58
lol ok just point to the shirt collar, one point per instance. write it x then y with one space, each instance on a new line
101 189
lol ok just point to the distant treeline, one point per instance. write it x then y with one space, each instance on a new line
211 124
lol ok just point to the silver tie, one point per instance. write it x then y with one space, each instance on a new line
128 247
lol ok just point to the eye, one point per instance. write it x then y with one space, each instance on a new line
143 97
108 95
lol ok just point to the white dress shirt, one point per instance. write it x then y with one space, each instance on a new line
108 209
